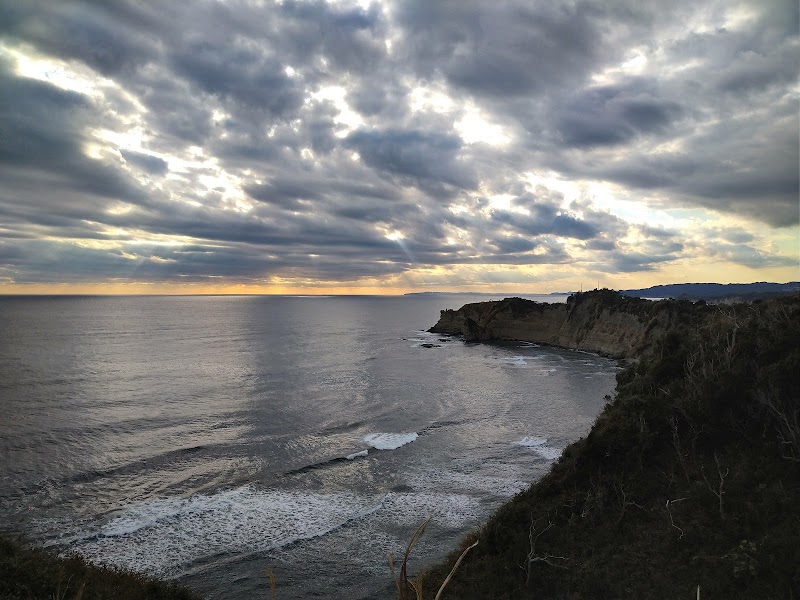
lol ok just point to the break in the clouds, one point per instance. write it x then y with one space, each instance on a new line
408 144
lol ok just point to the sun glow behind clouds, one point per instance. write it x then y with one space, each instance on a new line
474 127
56 73
500 201
347 117
424 98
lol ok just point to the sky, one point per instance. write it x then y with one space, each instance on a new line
240 146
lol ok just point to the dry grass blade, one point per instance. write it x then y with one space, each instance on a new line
453 570
391 569
401 580
404 580
81 589
413 541
417 585
270 575
59 595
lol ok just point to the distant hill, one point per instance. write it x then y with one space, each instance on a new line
690 291
716 291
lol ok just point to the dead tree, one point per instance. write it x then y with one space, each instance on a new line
535 557
719 492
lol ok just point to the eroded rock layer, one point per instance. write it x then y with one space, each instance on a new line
601 321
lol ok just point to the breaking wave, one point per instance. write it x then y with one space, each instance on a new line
389 441
540 446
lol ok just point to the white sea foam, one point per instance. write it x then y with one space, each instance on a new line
424 337
447 510
390 441
540 446
517 361
362 545
164 536
531 442
355 455
430 479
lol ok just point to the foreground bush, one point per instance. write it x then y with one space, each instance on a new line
28 573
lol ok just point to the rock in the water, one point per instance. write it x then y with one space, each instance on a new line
430 345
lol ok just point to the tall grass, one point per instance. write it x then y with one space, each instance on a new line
405 585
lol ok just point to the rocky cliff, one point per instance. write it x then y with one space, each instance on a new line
601 321
690 477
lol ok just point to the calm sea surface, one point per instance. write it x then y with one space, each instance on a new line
210 438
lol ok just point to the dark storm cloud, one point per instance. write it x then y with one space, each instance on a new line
563 225
240 74
175 114
545 216
350 39
747 59
388 100
45 261
147 162
601 245
738 136
748 256
243 154
283 193
612 115
734 235
89 32
41 139
632 262
287 191
426 160
506 48
742 166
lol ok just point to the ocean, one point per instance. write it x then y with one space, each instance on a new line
210 439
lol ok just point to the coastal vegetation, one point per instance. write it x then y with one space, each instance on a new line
689 479
31 573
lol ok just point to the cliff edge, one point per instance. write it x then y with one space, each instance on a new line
601 321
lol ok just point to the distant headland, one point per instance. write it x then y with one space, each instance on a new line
601 321
689 291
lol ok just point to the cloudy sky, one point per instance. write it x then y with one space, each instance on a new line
532 146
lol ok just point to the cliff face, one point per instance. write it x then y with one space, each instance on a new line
600 321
